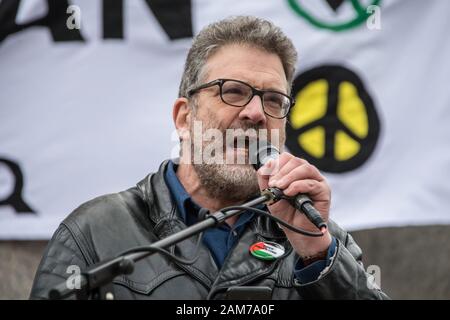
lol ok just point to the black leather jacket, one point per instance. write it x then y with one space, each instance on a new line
110 224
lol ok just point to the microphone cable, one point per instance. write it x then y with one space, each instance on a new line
203 214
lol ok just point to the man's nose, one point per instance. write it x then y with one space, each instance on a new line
254 112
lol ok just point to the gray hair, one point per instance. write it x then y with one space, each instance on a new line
246 30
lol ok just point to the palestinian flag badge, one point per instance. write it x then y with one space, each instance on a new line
266 250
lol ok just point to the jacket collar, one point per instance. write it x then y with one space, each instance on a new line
156 194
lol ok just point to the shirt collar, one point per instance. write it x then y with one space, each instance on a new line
179 194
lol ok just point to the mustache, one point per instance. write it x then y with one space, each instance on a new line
241 133
245 126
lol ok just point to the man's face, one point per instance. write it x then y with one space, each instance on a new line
261 70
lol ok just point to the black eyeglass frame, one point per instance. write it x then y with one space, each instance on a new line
255 92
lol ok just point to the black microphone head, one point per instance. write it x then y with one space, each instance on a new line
260 152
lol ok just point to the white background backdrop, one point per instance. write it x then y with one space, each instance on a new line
87 118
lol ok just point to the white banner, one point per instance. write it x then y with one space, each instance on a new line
87 111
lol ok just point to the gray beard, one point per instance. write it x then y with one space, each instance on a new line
228 182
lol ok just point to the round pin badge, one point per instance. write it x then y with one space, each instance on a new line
266 250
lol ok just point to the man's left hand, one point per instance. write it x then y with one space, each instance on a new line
294 176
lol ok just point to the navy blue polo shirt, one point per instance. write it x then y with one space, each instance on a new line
221 239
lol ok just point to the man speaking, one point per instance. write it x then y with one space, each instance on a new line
235 88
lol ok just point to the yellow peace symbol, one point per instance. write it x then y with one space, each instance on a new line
333 123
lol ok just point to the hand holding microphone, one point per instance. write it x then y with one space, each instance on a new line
304 185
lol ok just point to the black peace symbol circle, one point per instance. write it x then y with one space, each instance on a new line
334 75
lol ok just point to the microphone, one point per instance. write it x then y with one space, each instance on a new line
260 156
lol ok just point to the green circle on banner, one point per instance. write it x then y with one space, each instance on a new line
360 10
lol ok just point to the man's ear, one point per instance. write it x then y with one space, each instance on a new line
181 114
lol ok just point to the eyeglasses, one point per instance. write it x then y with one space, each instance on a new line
238 94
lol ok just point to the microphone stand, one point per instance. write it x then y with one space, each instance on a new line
96 281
